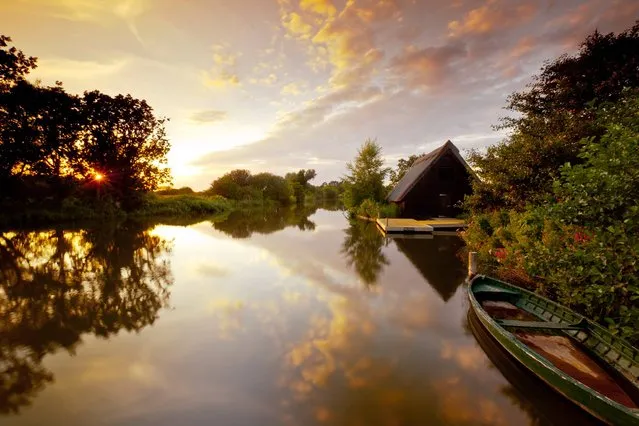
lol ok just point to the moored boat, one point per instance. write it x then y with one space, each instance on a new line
578 358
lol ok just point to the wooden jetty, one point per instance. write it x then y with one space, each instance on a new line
413 226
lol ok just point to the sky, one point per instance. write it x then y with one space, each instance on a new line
280 85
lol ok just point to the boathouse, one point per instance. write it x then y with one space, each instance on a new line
435 184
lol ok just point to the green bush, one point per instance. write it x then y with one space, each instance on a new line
368 208
388 210
582 248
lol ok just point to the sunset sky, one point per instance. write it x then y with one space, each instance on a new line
275 86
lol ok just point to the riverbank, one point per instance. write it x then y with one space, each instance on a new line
73 210
179 209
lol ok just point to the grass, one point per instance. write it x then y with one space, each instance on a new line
75 210
182 205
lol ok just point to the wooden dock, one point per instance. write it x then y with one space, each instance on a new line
413 226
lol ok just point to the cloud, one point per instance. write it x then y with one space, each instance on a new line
427 67
492 16
293 89
223 73
268 80
208 116
324 8
297 26
220 79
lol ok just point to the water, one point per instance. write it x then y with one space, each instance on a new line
293 318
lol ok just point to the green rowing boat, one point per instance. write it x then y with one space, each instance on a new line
579 359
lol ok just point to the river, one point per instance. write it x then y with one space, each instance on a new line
274 318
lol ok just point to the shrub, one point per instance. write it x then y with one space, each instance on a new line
582 248
368 208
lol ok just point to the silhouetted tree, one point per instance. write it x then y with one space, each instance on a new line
14 65
39 131
125 142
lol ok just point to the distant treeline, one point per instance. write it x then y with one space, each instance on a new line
293 188
55 145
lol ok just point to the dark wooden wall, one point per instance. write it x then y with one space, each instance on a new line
446 176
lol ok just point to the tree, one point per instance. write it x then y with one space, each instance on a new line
39 131
124 142
273 187
330 191
552 115
365 179
403 165
235 185
581 244
241 185
300 183
14 65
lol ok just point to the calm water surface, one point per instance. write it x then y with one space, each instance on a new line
294 318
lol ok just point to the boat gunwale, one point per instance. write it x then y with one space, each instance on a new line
500 331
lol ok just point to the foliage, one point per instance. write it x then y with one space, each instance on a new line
185 190
365 179
38 132
330 191
14 65
241 185
125 142
273 187
388 210
182 205
368 208
300 183
403 165
581 246
96 147
552 115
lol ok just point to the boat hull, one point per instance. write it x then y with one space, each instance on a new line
592 402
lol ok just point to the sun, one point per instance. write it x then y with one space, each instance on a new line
98 177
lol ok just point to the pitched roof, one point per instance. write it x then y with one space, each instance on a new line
419 168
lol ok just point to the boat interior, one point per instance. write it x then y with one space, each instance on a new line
568 341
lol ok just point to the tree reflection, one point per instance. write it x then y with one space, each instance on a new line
57 285
245 222
362 248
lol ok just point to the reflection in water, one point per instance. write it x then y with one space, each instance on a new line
270 330
436 260
57 285
243 223
542 404
362 248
